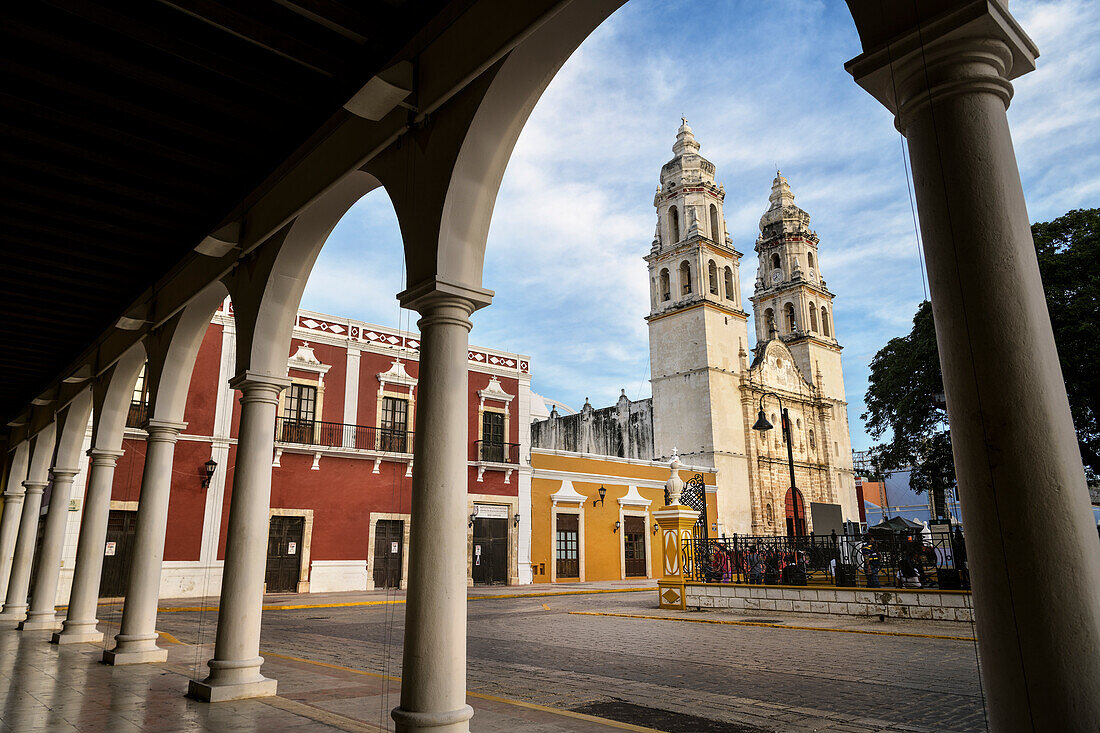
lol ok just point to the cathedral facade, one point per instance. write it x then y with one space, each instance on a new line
710 382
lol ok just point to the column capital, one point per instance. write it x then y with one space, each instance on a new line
259 387
65 474
163 431
435 293
978 47
104 456
34 487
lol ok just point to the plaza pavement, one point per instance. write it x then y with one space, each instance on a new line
584 657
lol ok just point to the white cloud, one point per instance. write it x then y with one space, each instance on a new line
763 85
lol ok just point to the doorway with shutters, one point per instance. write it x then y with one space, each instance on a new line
121 527
389 540
635 564
490 548
567 547
284 554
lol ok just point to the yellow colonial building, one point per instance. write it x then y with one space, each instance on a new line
592 515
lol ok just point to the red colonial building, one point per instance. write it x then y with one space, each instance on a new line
341 469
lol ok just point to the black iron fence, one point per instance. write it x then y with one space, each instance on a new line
495 452
339 435
854 561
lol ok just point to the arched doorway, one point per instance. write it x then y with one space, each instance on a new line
796 513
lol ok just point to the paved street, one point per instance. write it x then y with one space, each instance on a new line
545 650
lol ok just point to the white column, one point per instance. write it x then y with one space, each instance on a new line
136 641
43 612
80 619
1031 542
235 668
13 509
15 604
433 687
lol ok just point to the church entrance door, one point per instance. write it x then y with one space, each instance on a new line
796 514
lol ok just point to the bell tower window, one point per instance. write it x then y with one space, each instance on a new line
788 314
824 321
715 233
685 278
712 273
673 224
769 322
729 283
810 259
813 317
666 288
776 264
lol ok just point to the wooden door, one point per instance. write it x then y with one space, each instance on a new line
490 550
634 547
492 437
389 537
567 546
284 554
121 527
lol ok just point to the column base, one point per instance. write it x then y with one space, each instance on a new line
138 656
77 636
10 619
451 721
208 691
40 623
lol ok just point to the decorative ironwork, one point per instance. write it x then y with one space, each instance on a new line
339 435
492 452
847 560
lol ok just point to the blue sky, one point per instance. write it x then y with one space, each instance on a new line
763 85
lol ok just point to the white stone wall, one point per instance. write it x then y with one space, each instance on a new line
934 605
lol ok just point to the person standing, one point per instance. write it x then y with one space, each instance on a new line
872 563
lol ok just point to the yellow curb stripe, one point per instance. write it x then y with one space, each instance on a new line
481 696
771 626
352 604
168 638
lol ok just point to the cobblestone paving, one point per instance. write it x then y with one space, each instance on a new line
534 650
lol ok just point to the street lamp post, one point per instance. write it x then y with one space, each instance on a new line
763 425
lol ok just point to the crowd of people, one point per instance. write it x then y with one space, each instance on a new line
902 561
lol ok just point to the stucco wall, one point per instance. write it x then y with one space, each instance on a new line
624 430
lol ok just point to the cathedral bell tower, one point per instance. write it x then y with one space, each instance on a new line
698 331
790 301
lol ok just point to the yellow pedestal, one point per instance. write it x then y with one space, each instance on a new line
676 523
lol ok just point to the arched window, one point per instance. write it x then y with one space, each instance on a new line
769 514
715 233
729 284
769 323
685 277
673 224
810 259
813 441
775 262
712 274
813 317
796 513
788 318
824 321
666 286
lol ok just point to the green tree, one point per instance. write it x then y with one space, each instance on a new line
1069 260
903 394
903 398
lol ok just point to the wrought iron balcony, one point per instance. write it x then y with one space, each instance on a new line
488 452
340 435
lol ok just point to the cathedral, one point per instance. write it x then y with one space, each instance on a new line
710 382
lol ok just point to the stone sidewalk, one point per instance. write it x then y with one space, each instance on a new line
44 687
